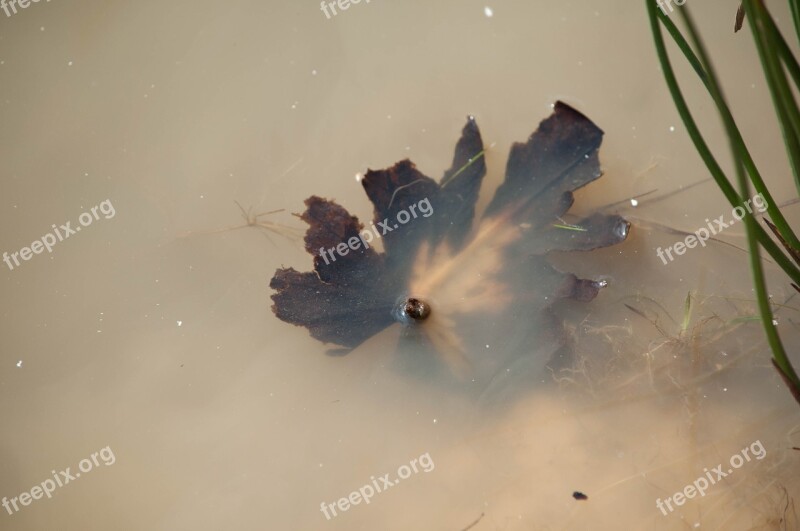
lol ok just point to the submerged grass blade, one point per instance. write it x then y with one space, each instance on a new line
795 5
464 167
570 227
786 55
790 62
705 72
687 313
700 144
782 97
755 233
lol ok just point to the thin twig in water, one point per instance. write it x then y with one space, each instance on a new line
400 188
445 182
473 524
666 195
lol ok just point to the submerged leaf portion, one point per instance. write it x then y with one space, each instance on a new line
344 300
560 156
462 184
458 286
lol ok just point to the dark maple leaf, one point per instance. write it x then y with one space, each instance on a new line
477 293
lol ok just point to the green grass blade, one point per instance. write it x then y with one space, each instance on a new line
697 138
795 5
782 96
790 62
780 359
751 225
704 69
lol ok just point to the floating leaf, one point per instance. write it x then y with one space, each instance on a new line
475 294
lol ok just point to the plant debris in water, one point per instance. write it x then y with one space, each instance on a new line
477 292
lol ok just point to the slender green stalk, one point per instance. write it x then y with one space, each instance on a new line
707 76
750 223
785 52
782 97
462 168
790 62
760 284
687 314
705 153
795 5
741 156
683 45
793 147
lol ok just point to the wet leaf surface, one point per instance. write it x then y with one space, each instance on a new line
472 293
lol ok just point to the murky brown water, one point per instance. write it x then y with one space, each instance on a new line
143 352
